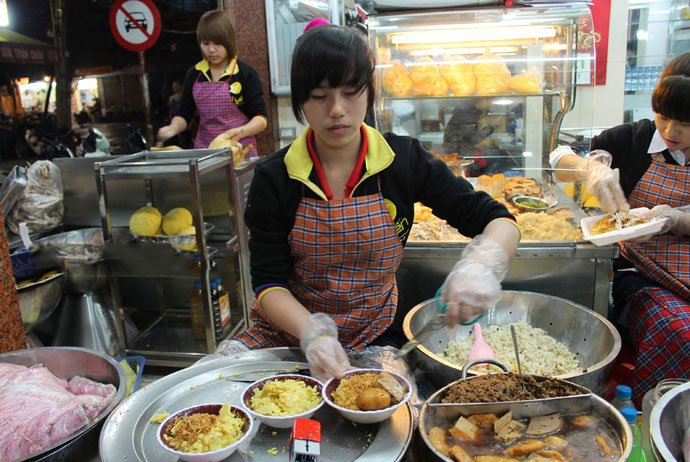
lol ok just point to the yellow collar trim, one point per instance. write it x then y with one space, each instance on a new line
205 68
299 164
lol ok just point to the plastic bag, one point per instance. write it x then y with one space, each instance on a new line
40 205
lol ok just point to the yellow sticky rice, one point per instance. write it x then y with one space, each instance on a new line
205 432
284 398
348 389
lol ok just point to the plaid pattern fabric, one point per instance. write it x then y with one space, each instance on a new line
345 255
663 259
659 322
218 113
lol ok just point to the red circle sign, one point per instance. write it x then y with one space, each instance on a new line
136 24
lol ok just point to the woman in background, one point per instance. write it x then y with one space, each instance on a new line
647 164
225 91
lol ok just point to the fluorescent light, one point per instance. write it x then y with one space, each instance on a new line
642 35
473 35
502 102
4 15
526 154
87 84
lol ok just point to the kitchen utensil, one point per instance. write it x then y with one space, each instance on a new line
583 331
669 421
436 324
480 349
517 353
12 189
39 299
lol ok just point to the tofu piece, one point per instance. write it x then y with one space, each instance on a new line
552 455
483 420
495 459
510 432
460 455
437 436
604 445
502 422
556 442
525 448
392 386
465 430
584 421
544 424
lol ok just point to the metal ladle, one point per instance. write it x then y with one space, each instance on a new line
517 355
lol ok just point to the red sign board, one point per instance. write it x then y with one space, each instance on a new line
136 24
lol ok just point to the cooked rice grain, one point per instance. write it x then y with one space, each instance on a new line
348 389
284 398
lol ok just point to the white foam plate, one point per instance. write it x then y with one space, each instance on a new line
631 232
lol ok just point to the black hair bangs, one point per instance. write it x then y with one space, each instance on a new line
671 98
336 55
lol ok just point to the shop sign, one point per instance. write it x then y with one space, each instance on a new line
593 40
135 24
27 54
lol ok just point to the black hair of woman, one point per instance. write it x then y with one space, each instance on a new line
335 55
671 97
215 26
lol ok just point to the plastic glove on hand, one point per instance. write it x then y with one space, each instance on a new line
677 221
320 345
468 291
604 183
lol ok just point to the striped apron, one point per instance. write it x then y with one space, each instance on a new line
217 114
659 318
345 255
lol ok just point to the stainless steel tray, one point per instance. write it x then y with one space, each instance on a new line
128 435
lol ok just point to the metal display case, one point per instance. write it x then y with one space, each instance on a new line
485 90
153 277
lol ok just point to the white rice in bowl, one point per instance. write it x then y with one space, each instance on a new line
539 352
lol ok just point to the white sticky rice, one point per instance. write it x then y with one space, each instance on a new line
539 353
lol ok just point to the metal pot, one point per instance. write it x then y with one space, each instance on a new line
583 331
67 362
668 423
433 411
38 300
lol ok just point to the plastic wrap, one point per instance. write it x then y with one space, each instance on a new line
40 205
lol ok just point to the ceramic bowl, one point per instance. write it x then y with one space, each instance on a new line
210 456
280 421
365 417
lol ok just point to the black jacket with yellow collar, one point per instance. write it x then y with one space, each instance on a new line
244 87
407 173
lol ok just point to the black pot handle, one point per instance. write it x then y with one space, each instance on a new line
493 361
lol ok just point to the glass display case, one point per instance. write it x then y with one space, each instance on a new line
485 90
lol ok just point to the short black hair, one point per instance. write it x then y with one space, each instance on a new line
339 55
671 97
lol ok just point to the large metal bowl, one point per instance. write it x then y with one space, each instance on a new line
668 423
594 340
38 300
434 413
67 362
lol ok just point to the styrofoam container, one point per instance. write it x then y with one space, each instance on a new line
631 232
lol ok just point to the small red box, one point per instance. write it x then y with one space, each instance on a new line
305 441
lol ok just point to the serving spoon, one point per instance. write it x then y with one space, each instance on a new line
480 349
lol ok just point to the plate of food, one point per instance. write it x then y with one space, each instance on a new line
606 229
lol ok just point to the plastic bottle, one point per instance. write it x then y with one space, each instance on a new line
197 312
622 398
223 303
648 401
637 454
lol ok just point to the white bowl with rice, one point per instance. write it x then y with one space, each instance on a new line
206 432
344 394
280 399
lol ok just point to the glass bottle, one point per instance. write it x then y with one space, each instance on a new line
637 454
622 398
223 303
197 312
650 398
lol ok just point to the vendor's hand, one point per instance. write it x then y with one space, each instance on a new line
319 342
677 221
474 284
235 134
166 132
604 182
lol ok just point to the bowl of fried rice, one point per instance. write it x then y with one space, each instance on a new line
367 396
206 432
280 399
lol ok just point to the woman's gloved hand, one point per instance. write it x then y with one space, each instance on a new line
677 221
604 182
474 284
227 347
320 345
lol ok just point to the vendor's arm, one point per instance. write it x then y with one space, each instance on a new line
253 127
253 105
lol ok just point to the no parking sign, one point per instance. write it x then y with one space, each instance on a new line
136 24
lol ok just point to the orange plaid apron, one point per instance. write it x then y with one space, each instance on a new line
345 255
663 259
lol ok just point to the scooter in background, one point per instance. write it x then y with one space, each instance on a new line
136 141
96 144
